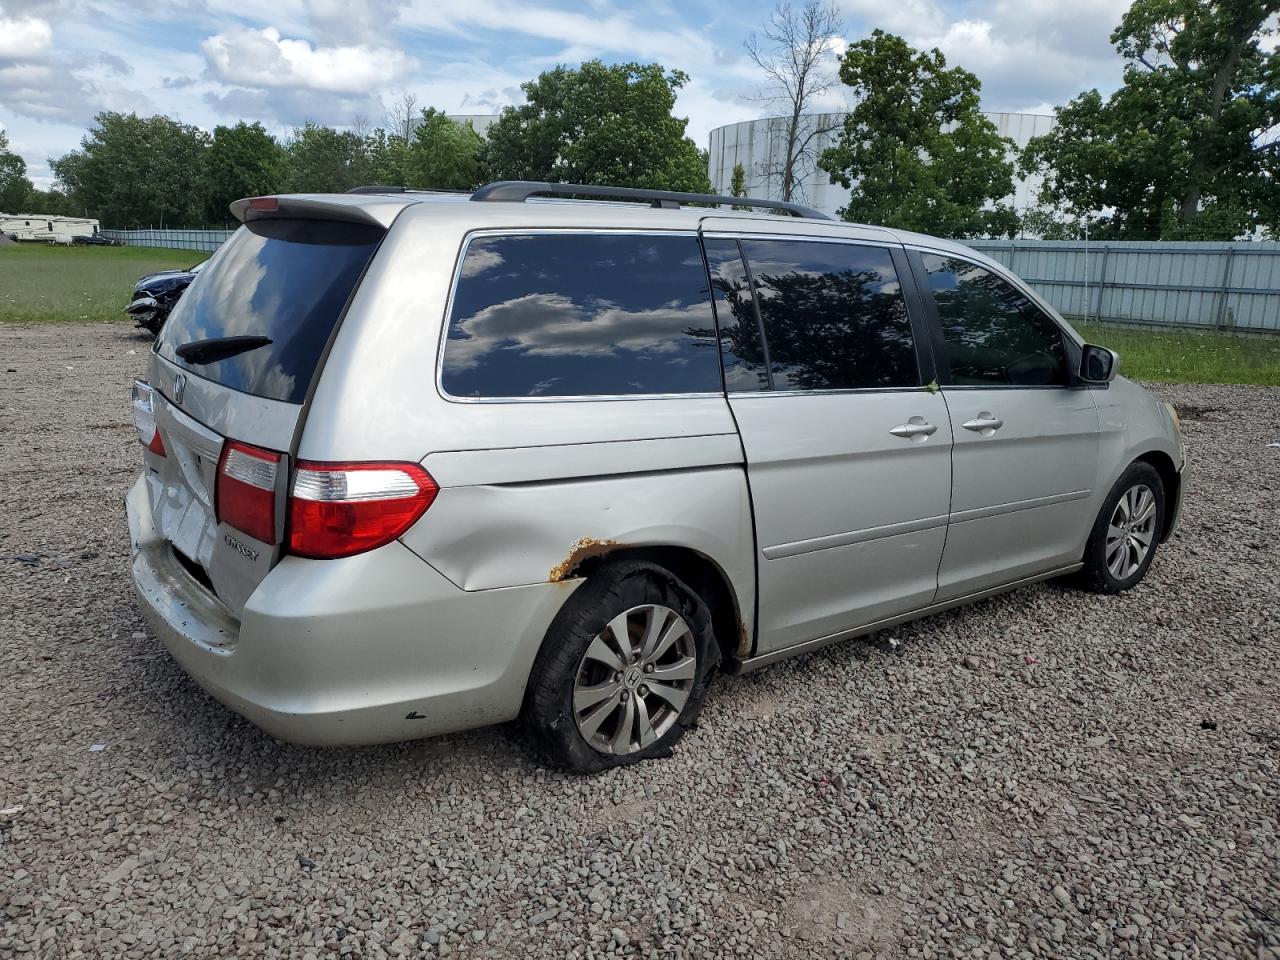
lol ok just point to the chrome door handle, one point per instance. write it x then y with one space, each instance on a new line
913 429
984 423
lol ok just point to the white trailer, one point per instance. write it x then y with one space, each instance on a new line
47 228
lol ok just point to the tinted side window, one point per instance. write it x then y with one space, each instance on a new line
994 334
558 315
834 316
740 349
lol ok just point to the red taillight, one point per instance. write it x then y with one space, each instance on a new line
156 445
340 509
247 490
265 204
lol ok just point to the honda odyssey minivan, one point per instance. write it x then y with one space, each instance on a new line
418 462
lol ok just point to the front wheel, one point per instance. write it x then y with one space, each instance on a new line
623 671
1126 532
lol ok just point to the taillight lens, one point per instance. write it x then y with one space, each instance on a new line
144 417
247 490
340 509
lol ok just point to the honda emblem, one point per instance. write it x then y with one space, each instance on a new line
179 387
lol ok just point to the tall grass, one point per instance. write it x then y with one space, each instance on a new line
1189 356
44 284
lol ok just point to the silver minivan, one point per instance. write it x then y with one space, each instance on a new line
417 462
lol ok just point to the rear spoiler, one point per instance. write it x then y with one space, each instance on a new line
375 211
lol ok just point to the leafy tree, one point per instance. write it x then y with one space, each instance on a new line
444 154
738 185
1187 148
136 171
323 160
599 124
916 150
15 188
1047 223
242 161
386 158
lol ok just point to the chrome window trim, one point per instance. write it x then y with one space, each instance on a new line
537 231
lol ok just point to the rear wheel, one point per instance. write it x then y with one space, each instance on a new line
1126 533
623 671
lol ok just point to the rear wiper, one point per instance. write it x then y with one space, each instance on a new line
218 348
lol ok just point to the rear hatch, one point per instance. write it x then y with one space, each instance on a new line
231 373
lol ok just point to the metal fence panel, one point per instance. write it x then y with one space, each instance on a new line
1211 285
206 240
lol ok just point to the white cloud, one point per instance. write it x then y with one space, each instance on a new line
24 37
1026 52
583 34
262 58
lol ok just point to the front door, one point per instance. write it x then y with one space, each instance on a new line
848 454
1025 454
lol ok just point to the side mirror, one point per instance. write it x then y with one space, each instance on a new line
1098 364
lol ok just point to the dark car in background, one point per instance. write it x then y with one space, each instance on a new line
156 293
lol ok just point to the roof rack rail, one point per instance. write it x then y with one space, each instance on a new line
374 188
520 190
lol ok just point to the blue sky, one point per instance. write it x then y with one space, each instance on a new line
333 61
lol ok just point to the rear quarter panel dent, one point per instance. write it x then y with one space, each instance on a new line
488 536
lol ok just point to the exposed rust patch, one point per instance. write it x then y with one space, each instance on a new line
584 549
744 639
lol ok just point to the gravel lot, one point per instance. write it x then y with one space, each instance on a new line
1105 783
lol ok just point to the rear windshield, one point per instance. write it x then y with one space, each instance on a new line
287 280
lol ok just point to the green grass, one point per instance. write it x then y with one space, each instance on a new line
44 284
1187 356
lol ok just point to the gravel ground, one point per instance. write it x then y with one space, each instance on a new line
1105 783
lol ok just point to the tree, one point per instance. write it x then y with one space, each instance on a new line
738 184
15 188
403 116
916 150
599 124
444 154
136 171
323 160
794 56
386 158
1046 223
1187 148
242 161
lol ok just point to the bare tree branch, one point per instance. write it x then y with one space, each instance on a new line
402 117
795 55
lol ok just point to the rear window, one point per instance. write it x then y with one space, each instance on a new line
287 280
561 315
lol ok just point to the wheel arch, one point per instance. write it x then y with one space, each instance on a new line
1171 479
699 573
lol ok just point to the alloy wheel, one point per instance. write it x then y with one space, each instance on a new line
1131 531
634 679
